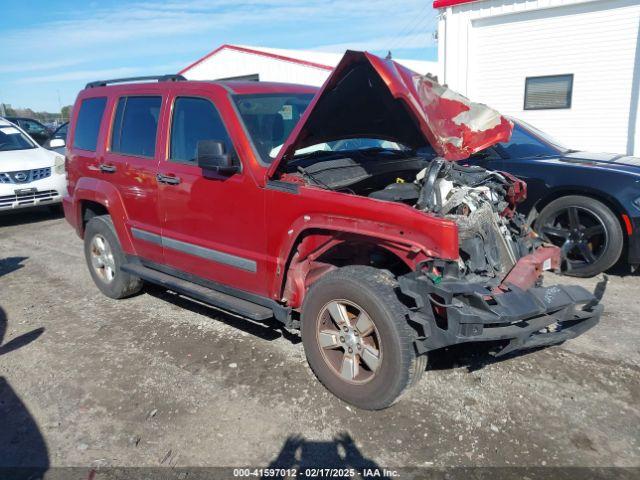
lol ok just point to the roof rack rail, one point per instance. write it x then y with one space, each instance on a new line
158 78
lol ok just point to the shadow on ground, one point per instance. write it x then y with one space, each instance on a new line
340 453
23 450
268 330
472 356
11 264
23 217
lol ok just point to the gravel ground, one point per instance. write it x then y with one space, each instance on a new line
159 380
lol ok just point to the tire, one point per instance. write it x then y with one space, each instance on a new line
111 281
603 249
360 288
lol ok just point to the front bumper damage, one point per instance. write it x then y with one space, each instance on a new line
473 312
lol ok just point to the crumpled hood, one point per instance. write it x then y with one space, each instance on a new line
367 96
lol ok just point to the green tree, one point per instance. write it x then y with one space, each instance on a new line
8 111
66 112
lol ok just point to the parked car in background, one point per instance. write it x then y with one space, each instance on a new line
30 175
58 139
34 128
586 203
268 201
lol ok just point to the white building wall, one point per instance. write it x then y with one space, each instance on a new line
290 67
488 48
233 63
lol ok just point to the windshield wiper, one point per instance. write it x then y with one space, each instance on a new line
315 154
313 178
392 151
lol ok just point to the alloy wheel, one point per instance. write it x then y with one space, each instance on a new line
102 259
349 341
579 232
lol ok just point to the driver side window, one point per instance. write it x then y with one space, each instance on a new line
195 119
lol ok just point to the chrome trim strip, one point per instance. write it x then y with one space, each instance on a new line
196 250
146 236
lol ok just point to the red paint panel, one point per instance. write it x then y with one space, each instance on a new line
450 3
526 272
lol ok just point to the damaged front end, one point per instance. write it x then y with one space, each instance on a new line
493 290
451 310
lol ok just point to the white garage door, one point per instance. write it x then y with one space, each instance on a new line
594 41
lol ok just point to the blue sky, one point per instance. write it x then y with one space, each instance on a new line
50 49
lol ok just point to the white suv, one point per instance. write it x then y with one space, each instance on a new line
29 174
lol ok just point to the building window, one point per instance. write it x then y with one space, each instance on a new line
548 92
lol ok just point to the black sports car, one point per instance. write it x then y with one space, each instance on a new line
586 203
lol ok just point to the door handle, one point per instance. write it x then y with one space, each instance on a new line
106 168
168 179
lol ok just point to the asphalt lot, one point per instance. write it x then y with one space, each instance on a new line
158 380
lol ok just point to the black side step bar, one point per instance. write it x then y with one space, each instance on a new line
214 298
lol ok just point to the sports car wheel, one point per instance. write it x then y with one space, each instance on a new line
586 230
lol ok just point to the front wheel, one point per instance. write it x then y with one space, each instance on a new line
357 339
586 230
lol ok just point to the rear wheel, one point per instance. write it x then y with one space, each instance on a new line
357 338
586 230
105 257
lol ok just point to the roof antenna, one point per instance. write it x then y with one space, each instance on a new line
388 57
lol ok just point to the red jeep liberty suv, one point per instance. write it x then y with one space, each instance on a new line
336 211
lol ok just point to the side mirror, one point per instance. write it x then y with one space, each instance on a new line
57 143
212 156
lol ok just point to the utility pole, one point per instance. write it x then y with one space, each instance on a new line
59 109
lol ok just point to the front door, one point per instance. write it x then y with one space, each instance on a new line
213 224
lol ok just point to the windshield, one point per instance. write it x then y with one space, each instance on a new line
526 141
270 118
346 145
543 136
13 139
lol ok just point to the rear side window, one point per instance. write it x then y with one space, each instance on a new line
88 123
195 119
135 126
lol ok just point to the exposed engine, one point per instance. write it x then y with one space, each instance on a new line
482 202
492 236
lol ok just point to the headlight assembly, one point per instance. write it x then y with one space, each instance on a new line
58 165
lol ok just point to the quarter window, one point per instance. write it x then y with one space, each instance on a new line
549 92
195 119
135 126
88 123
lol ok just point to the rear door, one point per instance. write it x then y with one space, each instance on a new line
131 163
